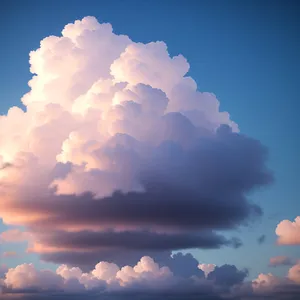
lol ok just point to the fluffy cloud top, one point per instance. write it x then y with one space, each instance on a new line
145 274
145 279
294 273
207 268
288 232
26 276
269 285
117 151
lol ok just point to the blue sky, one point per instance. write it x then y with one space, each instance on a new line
245 52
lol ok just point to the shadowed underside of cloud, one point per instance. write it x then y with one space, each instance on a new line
119 247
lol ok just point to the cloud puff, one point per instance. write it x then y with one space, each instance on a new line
146 274
269 285
26 276
288 232
294 273
207 268
280 260
116 143
227 275
145 280
266 282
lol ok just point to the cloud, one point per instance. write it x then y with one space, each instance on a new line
268 286
117 151
261 239
294 273
14 236
227 275
146 280
280 260
288 232
106 277
266 282
183 265
207 268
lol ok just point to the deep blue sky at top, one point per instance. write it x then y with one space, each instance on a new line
246 52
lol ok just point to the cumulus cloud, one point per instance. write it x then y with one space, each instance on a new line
227 275
146 280
26 276
182 265
206 268
288 232
266 282
281 288
294 273
117 151
280 260
105 277
268 286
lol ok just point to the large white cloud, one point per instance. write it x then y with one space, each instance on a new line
146 273
107 114
148 278
294 273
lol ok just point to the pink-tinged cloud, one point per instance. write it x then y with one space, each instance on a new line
265 282
288 232
280 260
14 236
145 278
294 273
117 143
206 268
146 272
282 287
27 276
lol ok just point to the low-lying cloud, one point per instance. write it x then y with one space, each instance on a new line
147 279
